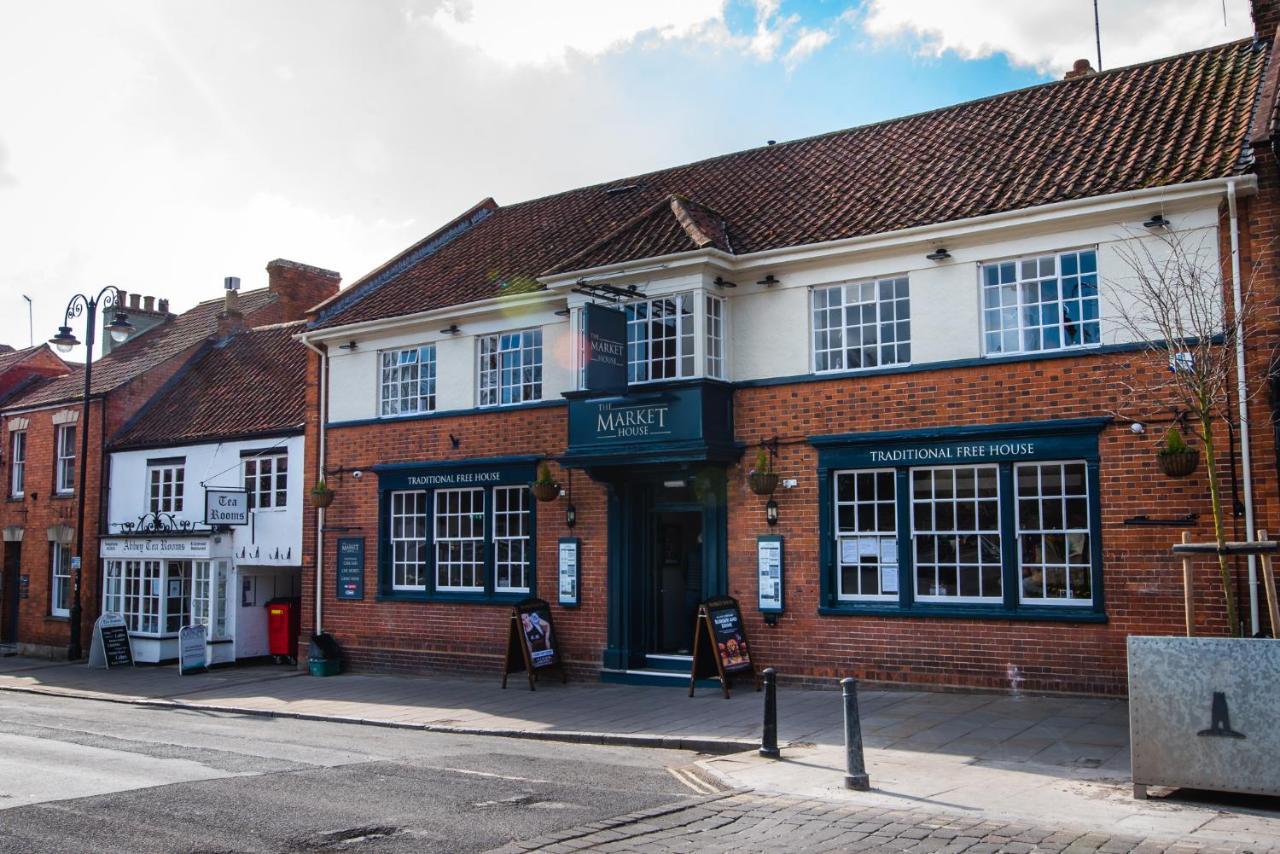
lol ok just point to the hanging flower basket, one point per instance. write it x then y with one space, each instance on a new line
762 483
322 498
1178 463
545 491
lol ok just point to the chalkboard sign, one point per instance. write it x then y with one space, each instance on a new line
720 644
531 642
350 568
110 647
192 653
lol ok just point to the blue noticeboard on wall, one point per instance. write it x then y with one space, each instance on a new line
769 573
350 568
604 349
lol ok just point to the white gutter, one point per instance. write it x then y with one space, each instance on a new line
1242 401
324 416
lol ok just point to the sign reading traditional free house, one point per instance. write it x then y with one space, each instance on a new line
226 507
604 349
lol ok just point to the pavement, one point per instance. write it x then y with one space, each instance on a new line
1012 758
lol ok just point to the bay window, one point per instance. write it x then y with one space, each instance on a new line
984 521
1046 302
159 597
660 338
861 325
510 369
408 381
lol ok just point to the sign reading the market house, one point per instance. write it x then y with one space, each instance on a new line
604 349
226 507
350 568
154 547
633 420
109 646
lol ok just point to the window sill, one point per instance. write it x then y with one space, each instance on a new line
62 495
1042 613
458 598
54 618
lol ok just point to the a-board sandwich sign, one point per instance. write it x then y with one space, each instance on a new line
720 647
109 646
532 642
193 654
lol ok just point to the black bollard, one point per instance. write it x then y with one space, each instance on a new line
769 741
857 765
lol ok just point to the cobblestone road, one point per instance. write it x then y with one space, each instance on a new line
741 821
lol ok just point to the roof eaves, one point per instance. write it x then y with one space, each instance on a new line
424 248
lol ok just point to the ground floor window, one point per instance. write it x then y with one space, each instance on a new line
153 596
209 596
454 540
60 580
1016 533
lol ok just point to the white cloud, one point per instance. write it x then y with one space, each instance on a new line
807 43
519 32
1050 36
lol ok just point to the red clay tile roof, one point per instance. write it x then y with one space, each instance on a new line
674 224
9 357
249 384
138 355
1172 121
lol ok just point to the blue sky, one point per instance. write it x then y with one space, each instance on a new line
161 146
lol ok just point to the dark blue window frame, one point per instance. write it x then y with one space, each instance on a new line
1002 445
462 474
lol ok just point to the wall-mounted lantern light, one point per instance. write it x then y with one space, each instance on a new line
1157 221
571 516
939 254
771 512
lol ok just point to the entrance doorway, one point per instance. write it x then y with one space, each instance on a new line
9 592
677 581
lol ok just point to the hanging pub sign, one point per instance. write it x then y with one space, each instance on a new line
531 642
604 349
226 507
720 644
350 568
109 646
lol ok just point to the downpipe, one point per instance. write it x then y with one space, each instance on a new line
1242 403
320 456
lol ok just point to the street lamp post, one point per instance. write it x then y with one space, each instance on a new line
65 340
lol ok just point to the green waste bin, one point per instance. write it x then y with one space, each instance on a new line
324 656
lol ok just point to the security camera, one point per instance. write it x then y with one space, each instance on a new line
357 474
1137 428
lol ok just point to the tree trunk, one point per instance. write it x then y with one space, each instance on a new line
1219 524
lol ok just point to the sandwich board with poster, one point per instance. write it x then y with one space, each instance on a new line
531 643
109 645
720 644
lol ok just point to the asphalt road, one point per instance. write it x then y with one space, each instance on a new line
80 775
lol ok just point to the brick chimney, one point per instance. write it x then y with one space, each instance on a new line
1080 68
230 319
298 287
1266 15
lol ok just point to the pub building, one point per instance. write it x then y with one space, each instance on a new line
915 324
204 509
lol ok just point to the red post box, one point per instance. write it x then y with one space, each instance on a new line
283 617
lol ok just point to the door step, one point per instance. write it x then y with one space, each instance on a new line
654 676
8 649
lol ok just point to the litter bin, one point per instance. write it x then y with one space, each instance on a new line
282 628
324 657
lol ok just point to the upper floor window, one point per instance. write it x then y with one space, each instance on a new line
1049 302
511 368
861 325
17 462
65 459
408 381
715 338
660 339
165 482
266 479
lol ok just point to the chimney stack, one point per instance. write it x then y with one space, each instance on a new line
230 319
1080 68
299 287
143 314
1266 15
